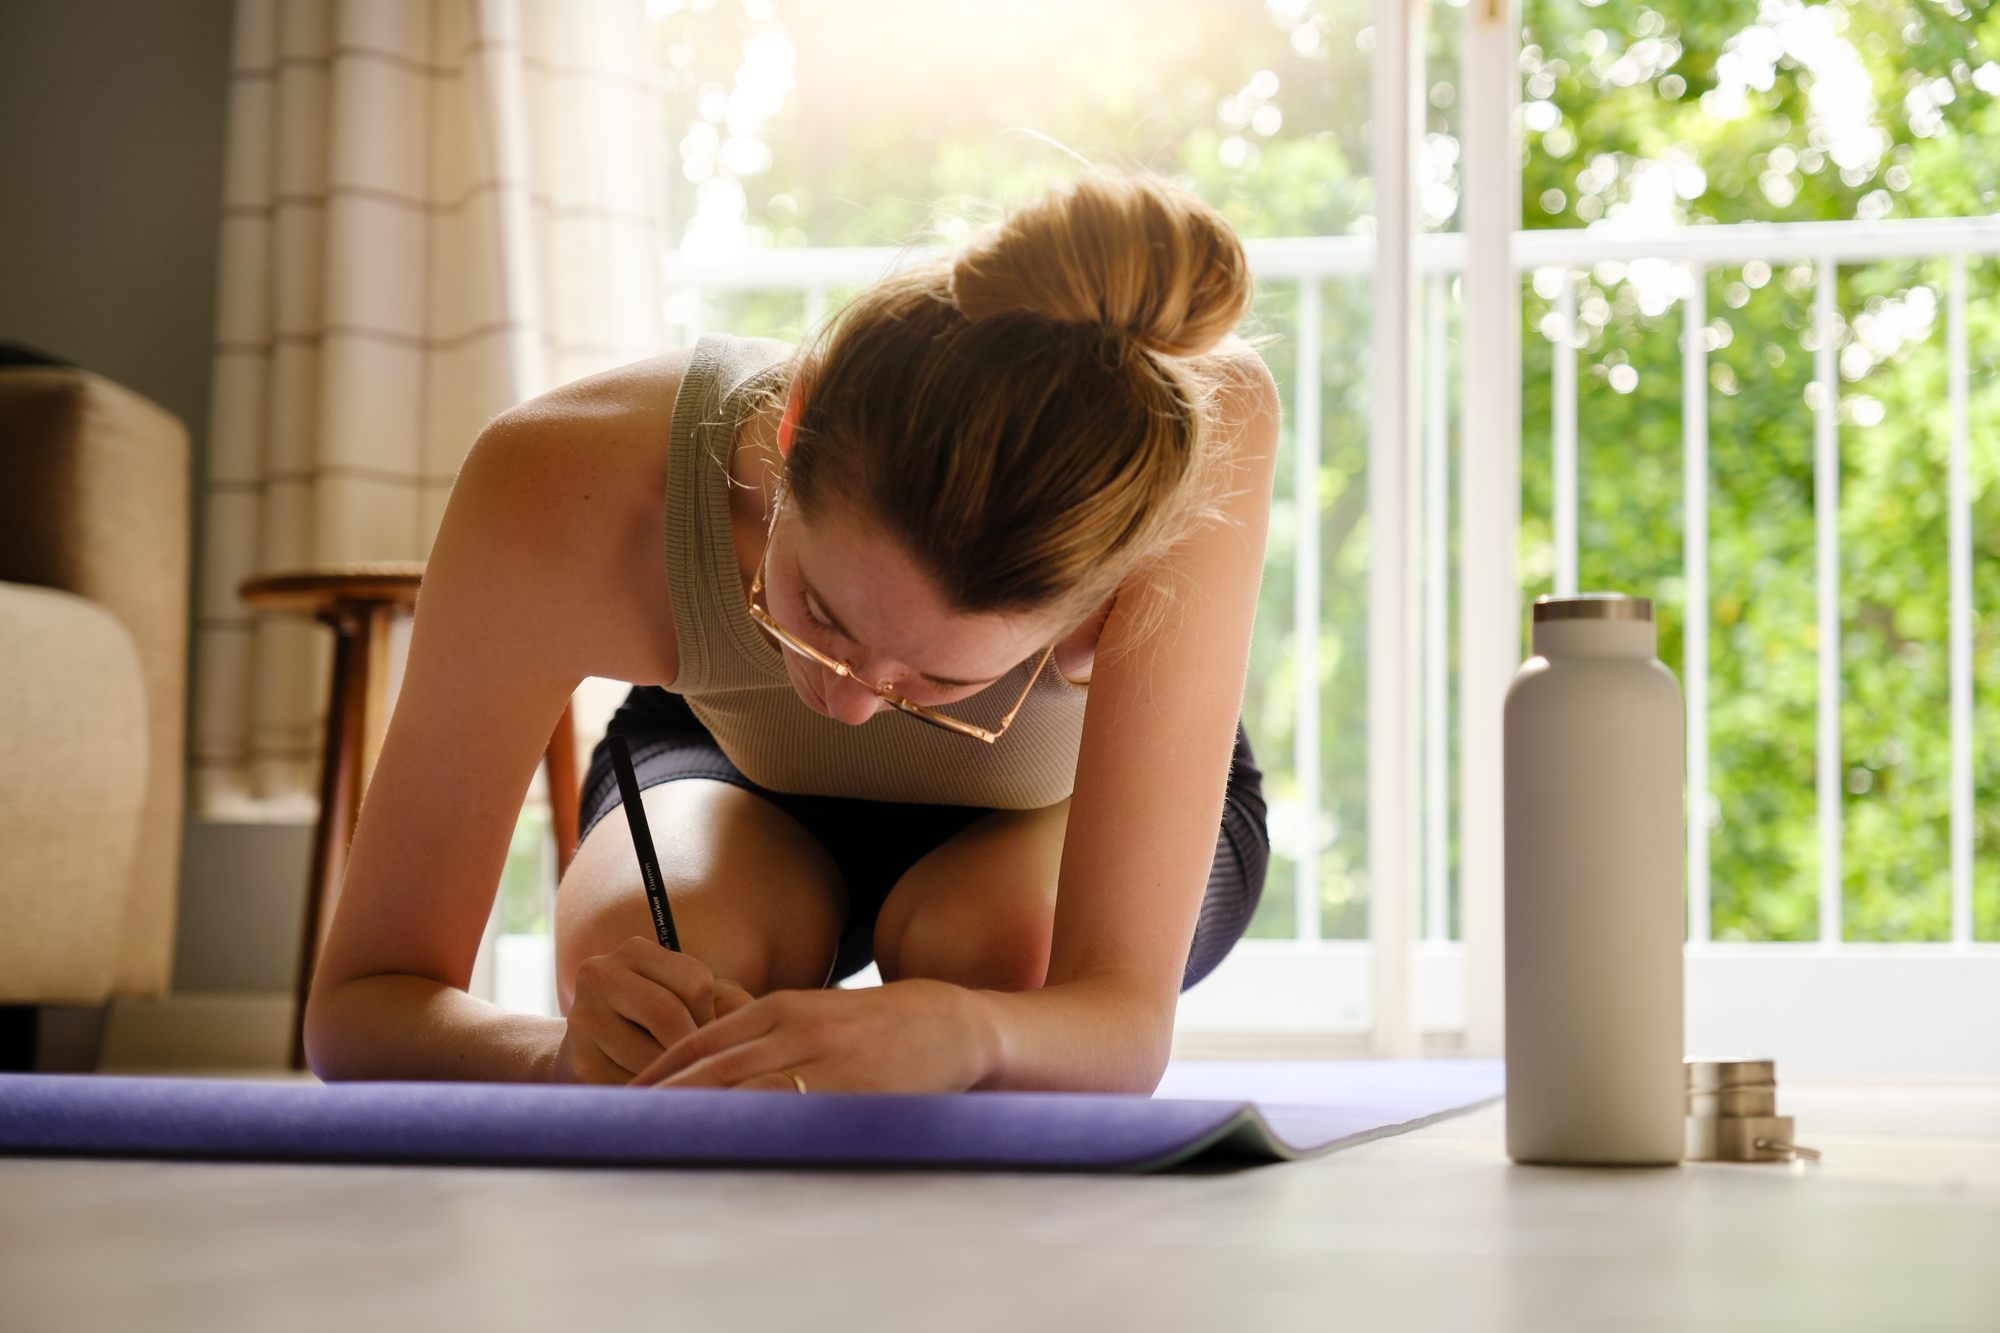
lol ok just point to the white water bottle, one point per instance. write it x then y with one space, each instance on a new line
1594 764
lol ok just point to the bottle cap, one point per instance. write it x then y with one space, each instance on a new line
1593 606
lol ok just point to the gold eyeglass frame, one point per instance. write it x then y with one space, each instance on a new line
896 701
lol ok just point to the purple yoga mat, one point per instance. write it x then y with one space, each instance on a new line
1314 1108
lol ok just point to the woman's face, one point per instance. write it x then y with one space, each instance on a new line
842 585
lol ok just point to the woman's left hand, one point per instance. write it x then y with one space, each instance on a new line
908 1036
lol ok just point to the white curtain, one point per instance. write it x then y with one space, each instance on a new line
434 209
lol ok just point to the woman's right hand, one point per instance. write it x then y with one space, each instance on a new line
632 1004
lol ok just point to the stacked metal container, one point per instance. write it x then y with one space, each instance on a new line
1732 1113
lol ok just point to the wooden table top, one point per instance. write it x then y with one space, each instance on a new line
394 582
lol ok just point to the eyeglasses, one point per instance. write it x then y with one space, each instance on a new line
896 701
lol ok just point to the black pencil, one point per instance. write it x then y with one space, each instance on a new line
642 843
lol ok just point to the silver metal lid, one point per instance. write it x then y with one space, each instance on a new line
1593 606
1715 1075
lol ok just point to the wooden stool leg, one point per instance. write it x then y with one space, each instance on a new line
563 794
340 788
376 697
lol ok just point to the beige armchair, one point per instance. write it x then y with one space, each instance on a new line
93 661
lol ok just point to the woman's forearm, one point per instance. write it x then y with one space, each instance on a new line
1082 1036
408 1027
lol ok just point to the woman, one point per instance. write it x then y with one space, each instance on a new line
941 663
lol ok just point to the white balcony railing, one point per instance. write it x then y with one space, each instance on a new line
1307 262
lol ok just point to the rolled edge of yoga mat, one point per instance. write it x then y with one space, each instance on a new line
491 1124
1237 1112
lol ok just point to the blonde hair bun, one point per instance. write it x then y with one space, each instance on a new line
1130 253
1020 419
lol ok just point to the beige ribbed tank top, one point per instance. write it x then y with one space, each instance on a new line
733 678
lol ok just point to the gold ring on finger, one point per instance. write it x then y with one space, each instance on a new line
797 1082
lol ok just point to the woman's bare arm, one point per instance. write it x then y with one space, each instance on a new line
1165 696
547 568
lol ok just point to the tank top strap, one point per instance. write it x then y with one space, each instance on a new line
725 382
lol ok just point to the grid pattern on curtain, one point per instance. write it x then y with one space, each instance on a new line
434 209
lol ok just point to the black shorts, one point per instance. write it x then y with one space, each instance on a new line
874 843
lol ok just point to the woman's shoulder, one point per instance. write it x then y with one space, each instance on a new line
1244 408
625 398
604 442
600 436
1244 387
567 492
640 399
562 475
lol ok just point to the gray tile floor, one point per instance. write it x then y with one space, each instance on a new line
1899 1228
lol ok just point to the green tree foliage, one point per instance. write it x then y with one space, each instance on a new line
1633 97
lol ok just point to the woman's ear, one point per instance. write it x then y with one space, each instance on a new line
794 401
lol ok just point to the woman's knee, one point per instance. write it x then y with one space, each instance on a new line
994 945
979 911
